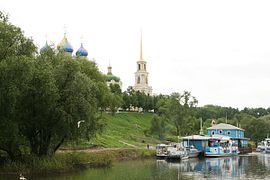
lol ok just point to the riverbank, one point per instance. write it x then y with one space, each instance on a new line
67 161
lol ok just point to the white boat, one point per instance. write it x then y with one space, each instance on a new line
161 150
193 152
261 146
220 146
267 145
177 152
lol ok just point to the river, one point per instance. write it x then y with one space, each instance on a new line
250 166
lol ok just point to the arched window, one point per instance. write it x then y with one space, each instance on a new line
220 132
143 79
213 133
138 80
228 132
139 67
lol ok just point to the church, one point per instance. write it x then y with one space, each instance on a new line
141 75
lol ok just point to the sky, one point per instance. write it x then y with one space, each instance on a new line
217 50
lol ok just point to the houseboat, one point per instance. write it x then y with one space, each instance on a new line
235 133
198 142
221 146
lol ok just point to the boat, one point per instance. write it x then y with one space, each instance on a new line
267 145
221 146
192 152
261 146
161 151
177 152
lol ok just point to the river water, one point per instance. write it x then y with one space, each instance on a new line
250 166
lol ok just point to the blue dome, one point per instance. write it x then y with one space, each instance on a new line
81 51
67 47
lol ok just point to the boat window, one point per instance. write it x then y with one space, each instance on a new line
228 132
220 132
213 132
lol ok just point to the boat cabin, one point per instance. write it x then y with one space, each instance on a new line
197 141
237 134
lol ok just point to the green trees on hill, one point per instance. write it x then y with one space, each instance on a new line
45 98
177 109
132 98
255 121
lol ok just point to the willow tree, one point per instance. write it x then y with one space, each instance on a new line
62 102
15 72
45 98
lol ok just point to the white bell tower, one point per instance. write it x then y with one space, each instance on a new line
141 75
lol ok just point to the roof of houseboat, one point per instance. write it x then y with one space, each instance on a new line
196 137
225 126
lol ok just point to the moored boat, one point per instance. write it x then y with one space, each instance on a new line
161 151
193 152
220 146
177 152
267 145
261 146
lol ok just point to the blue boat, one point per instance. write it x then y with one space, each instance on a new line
221 146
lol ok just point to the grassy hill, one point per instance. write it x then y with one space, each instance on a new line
125 130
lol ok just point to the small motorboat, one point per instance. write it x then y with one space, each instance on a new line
193 152
177 152
261 146
161 151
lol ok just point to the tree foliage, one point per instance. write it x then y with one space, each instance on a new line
45 98
158 126
179 110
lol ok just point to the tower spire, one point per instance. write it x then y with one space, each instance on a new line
109 68
141 52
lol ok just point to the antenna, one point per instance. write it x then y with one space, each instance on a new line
201 129
65 28
81 39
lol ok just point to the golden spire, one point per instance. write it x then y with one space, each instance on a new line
141 53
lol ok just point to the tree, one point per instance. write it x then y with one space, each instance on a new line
258 129
62 94
15 72
12 40
157 126
115 98
179 109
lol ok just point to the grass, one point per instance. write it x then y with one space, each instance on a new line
66 162
57 163
124 137
123 130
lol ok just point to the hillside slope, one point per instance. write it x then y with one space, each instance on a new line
125 129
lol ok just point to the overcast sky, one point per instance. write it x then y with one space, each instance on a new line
218 50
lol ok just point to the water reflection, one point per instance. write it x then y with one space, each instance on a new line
252 166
